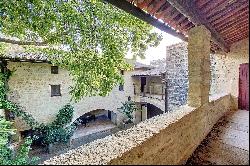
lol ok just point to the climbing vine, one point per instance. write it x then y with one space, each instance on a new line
57 131
7 156
8 105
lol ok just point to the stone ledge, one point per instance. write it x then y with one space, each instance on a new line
167 138
104 150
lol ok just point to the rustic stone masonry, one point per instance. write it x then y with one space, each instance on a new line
219 74
198 66
176 75
169 138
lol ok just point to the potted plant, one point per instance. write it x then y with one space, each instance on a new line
127 109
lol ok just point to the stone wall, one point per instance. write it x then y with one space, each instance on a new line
156 85
166 139
225 69
30 88
224 72
177 75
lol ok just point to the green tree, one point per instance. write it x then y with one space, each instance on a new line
87 37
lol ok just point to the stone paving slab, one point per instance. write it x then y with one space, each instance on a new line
227 143
235 138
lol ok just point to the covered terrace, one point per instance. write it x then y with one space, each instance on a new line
209 26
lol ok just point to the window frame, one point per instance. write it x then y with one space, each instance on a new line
54 69
54 90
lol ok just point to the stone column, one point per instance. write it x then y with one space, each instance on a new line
198 66
144 112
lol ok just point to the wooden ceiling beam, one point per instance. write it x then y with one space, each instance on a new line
229 15
226 5
240 27
231 25
236 33
184 24
137 12
228 11
236 39
189 9
164 11
233 20
211 5
155 7
201 3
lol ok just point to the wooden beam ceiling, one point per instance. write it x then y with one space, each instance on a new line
137 12
190 10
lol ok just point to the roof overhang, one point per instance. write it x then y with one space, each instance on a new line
227 20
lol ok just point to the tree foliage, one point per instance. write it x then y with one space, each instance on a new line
87 37
7 155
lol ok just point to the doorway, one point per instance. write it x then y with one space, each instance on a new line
243 100
143 83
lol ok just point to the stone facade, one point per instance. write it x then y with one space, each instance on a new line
166 139
224 69
177 75
30 88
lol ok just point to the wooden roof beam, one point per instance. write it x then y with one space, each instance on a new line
137 12
189 9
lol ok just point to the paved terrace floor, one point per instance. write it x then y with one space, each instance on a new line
227 143
100 124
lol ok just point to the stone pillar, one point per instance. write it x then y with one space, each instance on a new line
198 66
144 112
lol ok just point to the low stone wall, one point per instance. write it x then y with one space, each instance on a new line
169 138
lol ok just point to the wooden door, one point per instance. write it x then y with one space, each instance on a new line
243 99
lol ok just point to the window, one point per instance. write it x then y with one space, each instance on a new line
121 87
54 69
55 90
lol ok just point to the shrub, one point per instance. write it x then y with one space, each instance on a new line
7 156
127 109
57 130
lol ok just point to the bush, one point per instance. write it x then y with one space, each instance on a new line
127 109
64 116
7 156
53 134
57 130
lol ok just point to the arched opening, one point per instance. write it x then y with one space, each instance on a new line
153 111
93 122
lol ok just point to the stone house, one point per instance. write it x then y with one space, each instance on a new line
41 89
